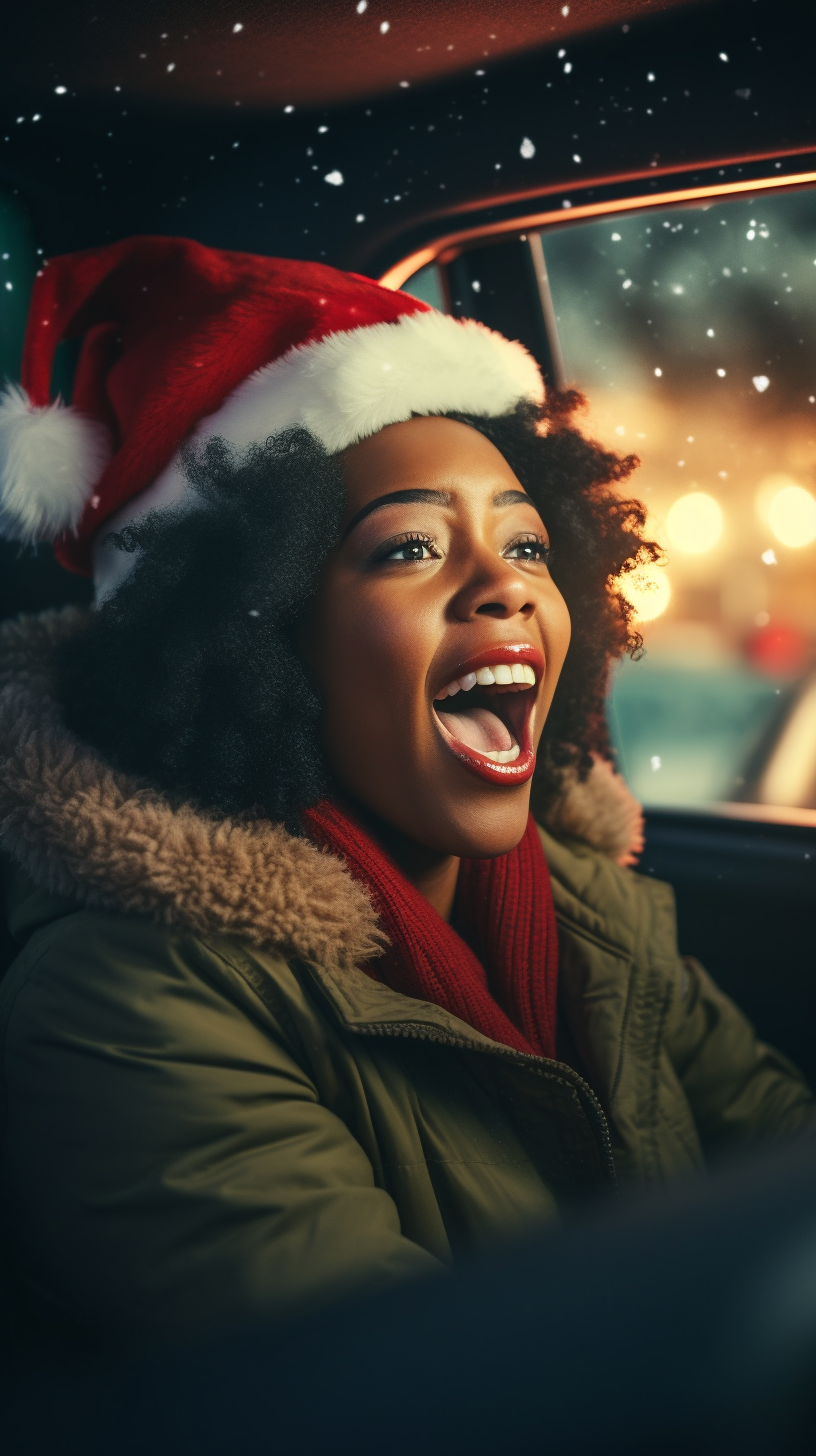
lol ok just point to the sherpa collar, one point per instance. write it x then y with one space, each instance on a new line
81 829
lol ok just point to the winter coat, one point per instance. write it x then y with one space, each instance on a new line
210 1111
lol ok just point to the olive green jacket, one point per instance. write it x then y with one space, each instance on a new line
210 1110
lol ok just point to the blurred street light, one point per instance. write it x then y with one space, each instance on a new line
695 522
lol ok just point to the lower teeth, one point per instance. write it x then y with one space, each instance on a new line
504 755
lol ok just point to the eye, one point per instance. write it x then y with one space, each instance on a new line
529 548
408 548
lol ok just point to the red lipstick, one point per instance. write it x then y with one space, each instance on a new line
483 719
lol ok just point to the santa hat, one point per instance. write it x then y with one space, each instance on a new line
180 341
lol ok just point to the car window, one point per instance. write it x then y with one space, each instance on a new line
692 331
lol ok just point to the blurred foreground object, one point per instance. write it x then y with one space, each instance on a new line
684 1323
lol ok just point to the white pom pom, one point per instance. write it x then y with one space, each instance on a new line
50 459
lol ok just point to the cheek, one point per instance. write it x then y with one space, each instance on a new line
371 663
556 630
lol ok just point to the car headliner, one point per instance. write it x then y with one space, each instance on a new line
269 53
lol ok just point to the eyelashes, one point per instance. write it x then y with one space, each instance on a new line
530 548
415 546
409 547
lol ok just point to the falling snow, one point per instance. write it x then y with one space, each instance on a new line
527 149
760 383
335 178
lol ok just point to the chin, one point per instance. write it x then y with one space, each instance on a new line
484 826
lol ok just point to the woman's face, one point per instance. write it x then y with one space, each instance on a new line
440 577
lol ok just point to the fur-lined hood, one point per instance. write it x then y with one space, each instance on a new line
82 829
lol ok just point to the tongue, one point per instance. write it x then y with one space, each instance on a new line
480 729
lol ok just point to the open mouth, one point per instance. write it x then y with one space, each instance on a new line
485 714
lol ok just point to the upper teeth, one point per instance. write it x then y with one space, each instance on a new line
502 673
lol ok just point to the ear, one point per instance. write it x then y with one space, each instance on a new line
50 459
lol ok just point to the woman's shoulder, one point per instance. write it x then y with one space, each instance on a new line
100 971
592 835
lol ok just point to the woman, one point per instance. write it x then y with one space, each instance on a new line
306 1002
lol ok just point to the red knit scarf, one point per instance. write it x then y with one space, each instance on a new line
499 973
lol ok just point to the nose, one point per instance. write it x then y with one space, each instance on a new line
494 588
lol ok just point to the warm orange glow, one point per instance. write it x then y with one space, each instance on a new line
695 522
648 589
792 516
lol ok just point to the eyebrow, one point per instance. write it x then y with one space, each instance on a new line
426 497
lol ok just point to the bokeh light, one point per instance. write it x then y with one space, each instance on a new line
792 516
648 589
695 522
778 650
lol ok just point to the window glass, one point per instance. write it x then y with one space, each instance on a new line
693 333
427 285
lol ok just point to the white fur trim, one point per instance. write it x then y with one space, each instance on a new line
50 460
350 385
345 388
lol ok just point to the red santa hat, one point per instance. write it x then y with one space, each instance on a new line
180 341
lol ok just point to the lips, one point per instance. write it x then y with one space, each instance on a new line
485 712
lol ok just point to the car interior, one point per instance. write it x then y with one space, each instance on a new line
629 189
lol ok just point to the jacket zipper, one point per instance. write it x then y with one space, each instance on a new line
416 1032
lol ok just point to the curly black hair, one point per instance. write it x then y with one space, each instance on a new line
189 677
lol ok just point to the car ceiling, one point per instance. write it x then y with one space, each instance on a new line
270 53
